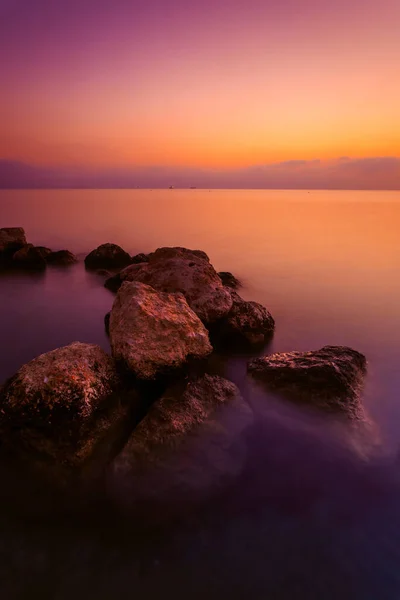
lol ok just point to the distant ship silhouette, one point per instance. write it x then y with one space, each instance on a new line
171 187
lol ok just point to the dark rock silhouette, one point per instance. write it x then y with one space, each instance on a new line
229 280
140 258
61 258
107 256
11 240
29 257
329 378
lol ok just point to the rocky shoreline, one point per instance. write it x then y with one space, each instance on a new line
150 411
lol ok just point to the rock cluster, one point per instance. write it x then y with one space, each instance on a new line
76 407
17 253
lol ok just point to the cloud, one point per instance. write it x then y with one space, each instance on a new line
342 173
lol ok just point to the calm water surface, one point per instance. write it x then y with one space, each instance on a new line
316 512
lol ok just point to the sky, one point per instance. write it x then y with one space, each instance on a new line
255 93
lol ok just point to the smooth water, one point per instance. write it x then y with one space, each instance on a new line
316 511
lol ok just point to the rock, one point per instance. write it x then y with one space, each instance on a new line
30 258
107 322
113 283
61 258
151 332
107 256
330 378
185 271
229 280
103 273
190 444
11 240
61 407
247 323
140 258
44 251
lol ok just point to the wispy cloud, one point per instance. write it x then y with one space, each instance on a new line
342 173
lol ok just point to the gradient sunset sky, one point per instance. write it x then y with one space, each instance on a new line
217 85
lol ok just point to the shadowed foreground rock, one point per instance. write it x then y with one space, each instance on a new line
61 258
190 444
29 257
330 378
247 324
152 332
185 271
140 258
107 256
60 411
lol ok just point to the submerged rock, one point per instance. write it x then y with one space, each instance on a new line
229 280
60 409
140 258
151 331
247 324
330 378
61 258
107 256
29 257
189 444
186 271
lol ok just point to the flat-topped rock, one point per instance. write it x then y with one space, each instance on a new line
186 271
330 378
107 256
190 443
152 332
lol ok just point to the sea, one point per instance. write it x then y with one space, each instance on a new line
315 511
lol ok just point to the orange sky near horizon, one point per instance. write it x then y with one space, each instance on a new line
227 88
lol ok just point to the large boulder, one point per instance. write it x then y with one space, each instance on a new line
61 409
152 332
247 324
29 257
107 256
11 240
330 378
185 271
190 444
61 258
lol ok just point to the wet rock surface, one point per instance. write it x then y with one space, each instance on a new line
330 378
186 271
60 409
247 324
152 332
107 256
190 443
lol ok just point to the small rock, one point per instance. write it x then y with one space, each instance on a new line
11 240
151 332
229 280
140 258
44 251
330 378
107 256
61 258
247 324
